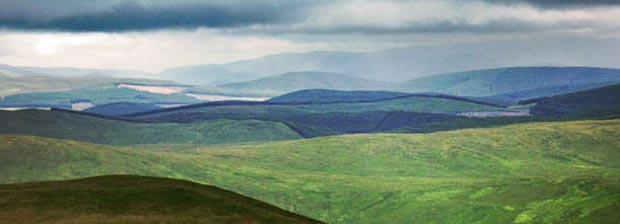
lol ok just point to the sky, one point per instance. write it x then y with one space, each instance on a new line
153 35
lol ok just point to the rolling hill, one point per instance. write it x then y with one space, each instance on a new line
528 173
71 125
121 108
331 96
599 102
133 199
294 81
538 81
66 72
29 84
318 96
95 95
320 119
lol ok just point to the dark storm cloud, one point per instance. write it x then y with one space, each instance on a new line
293 16
547 4
110 15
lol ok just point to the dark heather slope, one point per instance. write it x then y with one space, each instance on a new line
133 199
604 101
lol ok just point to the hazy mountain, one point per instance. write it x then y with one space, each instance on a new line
294 81
406 63
206 75
29 84
510 80
17 71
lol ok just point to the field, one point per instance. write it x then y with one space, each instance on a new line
555 172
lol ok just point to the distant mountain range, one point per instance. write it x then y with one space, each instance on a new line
393 65
262 78
21 71
536 81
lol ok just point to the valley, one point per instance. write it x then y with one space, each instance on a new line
568 169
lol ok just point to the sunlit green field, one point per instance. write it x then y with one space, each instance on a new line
558 172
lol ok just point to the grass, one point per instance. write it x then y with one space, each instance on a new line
133 199
60 124
556 172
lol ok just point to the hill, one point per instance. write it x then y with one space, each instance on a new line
70 125
121 108
66 72
331 96
29 84
294 81
208 75
317 96
603 101
94 95
133 199
528 173
319 119
512 80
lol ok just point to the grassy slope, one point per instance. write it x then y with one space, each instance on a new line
603 101
60 124
133 199
541 172
97 95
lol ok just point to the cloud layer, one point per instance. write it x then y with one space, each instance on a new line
320 16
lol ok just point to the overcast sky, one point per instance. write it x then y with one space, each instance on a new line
153 35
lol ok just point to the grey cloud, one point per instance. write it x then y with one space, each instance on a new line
100 15
249 16
548 4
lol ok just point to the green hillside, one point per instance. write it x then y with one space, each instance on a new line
15 85
320 119
121 108
65 125
96 95
294 81
331 96
561 172
540 81
419 104
133 199
604 101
